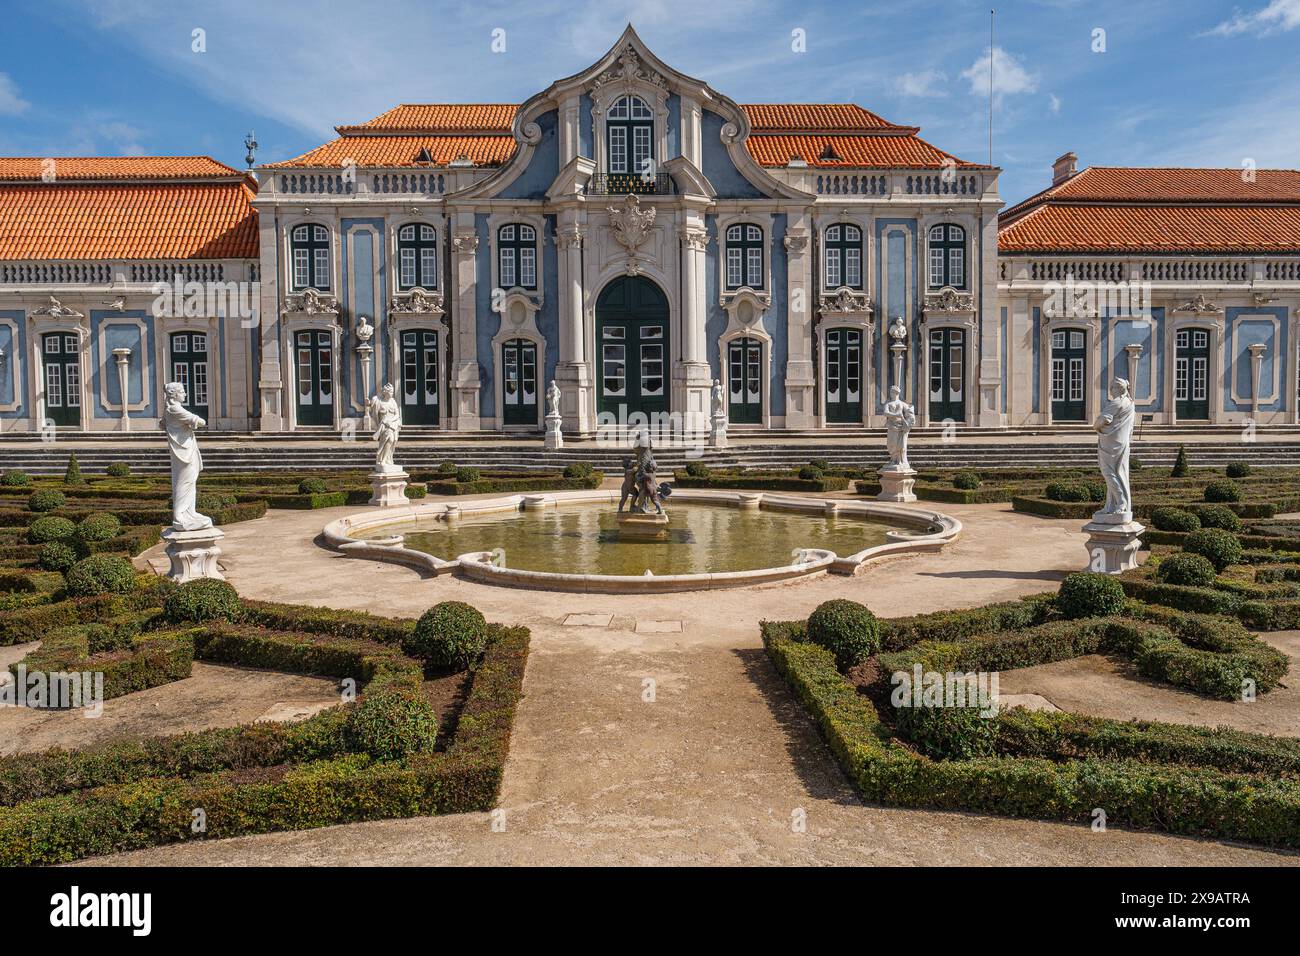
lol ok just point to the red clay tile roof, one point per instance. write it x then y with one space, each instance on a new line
480 132
1142 210
439 118
387 150
814 118
849 151
143 220
113 168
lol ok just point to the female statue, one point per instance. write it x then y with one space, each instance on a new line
186 460
388 426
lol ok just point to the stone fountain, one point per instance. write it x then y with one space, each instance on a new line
645 519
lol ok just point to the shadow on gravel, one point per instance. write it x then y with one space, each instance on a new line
812 762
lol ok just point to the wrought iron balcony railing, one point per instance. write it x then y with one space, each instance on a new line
620 184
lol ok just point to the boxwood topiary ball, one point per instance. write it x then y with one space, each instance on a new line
1067 491
1237 469
1089 594
14 478
811 473
468 474
1217 516
101 574
845 628
203 599
1222 489
312 486
99 527
1174 519
50 528
57 556
118 469
1220 547
966 480
449 634
1191 570
47 499
390 724
579 469
697 469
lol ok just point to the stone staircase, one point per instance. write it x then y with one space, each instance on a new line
147 454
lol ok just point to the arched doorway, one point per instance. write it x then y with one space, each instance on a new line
632 348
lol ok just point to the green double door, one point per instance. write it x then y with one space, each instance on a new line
314 356
745 381
632 348
1192 374
1069 375
844 376
60 355
519 382
189 352
419 377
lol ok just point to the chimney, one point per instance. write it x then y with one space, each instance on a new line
1065 166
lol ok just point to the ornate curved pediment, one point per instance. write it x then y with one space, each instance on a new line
1200 305
846 302
416 302
57 310
949 301
311 302
745 308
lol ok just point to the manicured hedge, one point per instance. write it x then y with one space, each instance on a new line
1189 800
985 494
142 811
759 482
147 660
438 484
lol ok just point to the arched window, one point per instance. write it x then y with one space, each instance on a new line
843 257
310 246
744 256
947 256
417 257
629 133
517 256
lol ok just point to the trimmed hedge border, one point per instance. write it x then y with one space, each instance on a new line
127 807
1190 800
152 659
437 484
752 482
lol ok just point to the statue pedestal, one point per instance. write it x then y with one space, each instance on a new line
193 554
389 488
637 527
718 433
896 483
1113 543
554 437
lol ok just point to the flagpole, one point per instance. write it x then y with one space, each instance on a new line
992 14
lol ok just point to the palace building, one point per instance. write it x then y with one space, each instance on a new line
635 235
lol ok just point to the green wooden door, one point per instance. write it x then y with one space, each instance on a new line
632 348
419 377
190 368
519 382
745 381
1069 376
315 394
947 375
844 376
1192 374
59 351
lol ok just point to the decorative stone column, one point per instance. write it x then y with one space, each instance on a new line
1257 350
694 376
1133 351
366 352
122 356
573 372
800 365
464 376
898 349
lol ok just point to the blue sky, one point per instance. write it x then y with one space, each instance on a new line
1179 83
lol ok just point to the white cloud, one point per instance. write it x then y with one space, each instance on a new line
11 104
1009 77
922 83
1053 103
1278 16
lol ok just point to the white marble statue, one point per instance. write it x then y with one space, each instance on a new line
898 330
387 415
1115 428
552 399
186 460
900 418
719 400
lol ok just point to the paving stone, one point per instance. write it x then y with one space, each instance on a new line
1027 701
658 627
289 711
588 620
